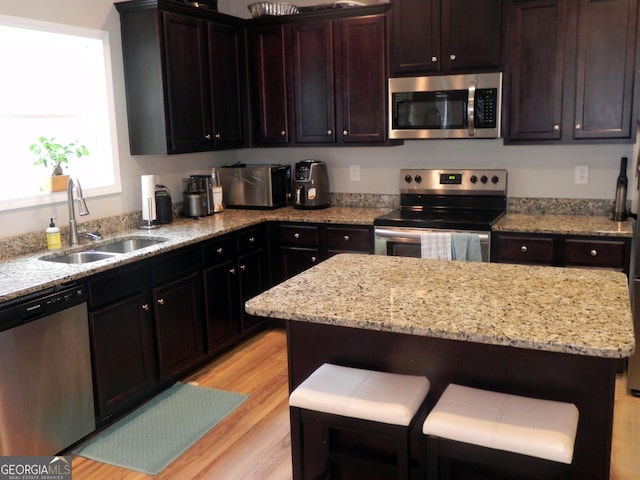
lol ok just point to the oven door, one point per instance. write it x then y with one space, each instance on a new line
408 242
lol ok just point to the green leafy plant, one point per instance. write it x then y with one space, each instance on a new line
56 154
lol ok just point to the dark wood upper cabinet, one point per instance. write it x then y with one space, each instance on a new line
268 57
339 81
443 36
184 76
570 70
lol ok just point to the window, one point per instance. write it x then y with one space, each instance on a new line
55 82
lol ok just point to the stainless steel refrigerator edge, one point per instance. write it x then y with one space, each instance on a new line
633 371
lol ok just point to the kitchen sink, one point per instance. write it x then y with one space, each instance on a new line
93 253
128 244
79 257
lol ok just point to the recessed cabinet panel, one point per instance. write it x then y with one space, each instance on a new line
605 68
524 249
595 253
270 91
536 65
416 36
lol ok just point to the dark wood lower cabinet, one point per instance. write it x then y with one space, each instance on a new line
123 355
178 324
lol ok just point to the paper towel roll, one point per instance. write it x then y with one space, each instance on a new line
148 184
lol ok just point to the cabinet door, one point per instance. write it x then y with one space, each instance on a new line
416 36
186 83
179 328
123 355
605 68
251 274
313 82
294 260
362 72
269 86
221 300
536 58
471 31
226 56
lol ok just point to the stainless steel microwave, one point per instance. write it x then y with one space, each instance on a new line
445 106
256 186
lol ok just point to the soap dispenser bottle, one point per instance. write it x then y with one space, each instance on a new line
53 236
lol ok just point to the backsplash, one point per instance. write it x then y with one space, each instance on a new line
108 226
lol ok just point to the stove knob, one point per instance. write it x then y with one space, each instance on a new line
407 178
484 179
418 178
473 179
495 179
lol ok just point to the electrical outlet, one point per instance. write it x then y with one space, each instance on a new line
354 173
582 174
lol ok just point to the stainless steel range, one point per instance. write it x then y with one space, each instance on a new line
445 214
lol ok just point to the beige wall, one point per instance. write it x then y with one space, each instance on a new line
534 171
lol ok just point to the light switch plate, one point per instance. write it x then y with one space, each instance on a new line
582 174
354 173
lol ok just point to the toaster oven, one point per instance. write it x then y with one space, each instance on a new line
256 186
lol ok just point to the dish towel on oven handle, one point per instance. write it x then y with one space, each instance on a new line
466 246
436 245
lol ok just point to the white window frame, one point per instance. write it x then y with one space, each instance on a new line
47 198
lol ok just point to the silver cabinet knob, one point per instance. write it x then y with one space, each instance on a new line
146 307
207 136
296 235
523 249
329 132
452 56
434 59
161 301
594 253
313 259
219 250
243 267
346 238
345 132
218 136
578 126
232 271
556 127
283 133
252 239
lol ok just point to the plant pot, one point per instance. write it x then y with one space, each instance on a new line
57 183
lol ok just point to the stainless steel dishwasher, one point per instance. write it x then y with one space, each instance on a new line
46 390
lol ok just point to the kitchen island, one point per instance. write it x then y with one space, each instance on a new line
554 333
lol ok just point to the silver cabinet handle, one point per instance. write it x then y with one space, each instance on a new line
346 238
594 253
161 301
146 307
296 235
471 109
523 249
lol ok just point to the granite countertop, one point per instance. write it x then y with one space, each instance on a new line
27 274
563 225
576 311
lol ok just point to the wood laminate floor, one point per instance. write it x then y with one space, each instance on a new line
253 442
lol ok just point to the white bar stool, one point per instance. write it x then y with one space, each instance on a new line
490 428
352 399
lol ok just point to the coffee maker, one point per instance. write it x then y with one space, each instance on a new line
311 185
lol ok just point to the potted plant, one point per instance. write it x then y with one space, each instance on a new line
49 152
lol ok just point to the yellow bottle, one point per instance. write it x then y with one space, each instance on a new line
53 236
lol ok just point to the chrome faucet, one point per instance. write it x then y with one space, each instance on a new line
82 208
